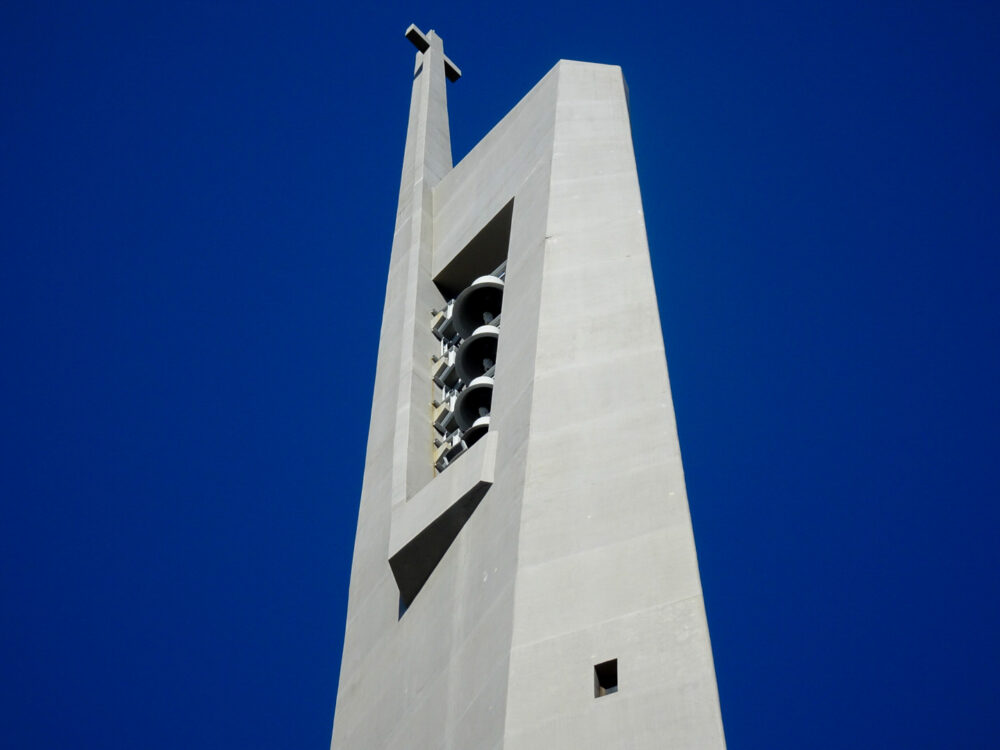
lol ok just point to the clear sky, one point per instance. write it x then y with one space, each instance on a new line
198 204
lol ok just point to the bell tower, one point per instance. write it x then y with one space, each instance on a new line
524 570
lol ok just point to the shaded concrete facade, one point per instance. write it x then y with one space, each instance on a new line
486 589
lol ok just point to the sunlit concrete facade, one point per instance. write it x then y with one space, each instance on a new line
503 552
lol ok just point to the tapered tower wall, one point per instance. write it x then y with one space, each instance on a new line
562 538
606 558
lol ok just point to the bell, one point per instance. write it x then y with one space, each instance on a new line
478 353
474 402
478 429
478 304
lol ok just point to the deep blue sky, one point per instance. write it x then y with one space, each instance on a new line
198 202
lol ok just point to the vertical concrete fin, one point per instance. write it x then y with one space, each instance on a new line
411 292
428 140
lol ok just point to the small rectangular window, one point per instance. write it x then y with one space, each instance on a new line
606 678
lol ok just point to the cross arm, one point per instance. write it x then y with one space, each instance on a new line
422 43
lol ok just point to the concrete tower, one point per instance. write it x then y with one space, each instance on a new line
524 569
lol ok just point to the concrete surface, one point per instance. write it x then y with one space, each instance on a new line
578 548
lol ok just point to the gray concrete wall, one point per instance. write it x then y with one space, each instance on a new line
606 557
581 550
437 676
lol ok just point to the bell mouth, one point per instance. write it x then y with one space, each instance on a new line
474 402
478 354
478 304
476 431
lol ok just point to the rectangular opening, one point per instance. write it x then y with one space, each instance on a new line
606 678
